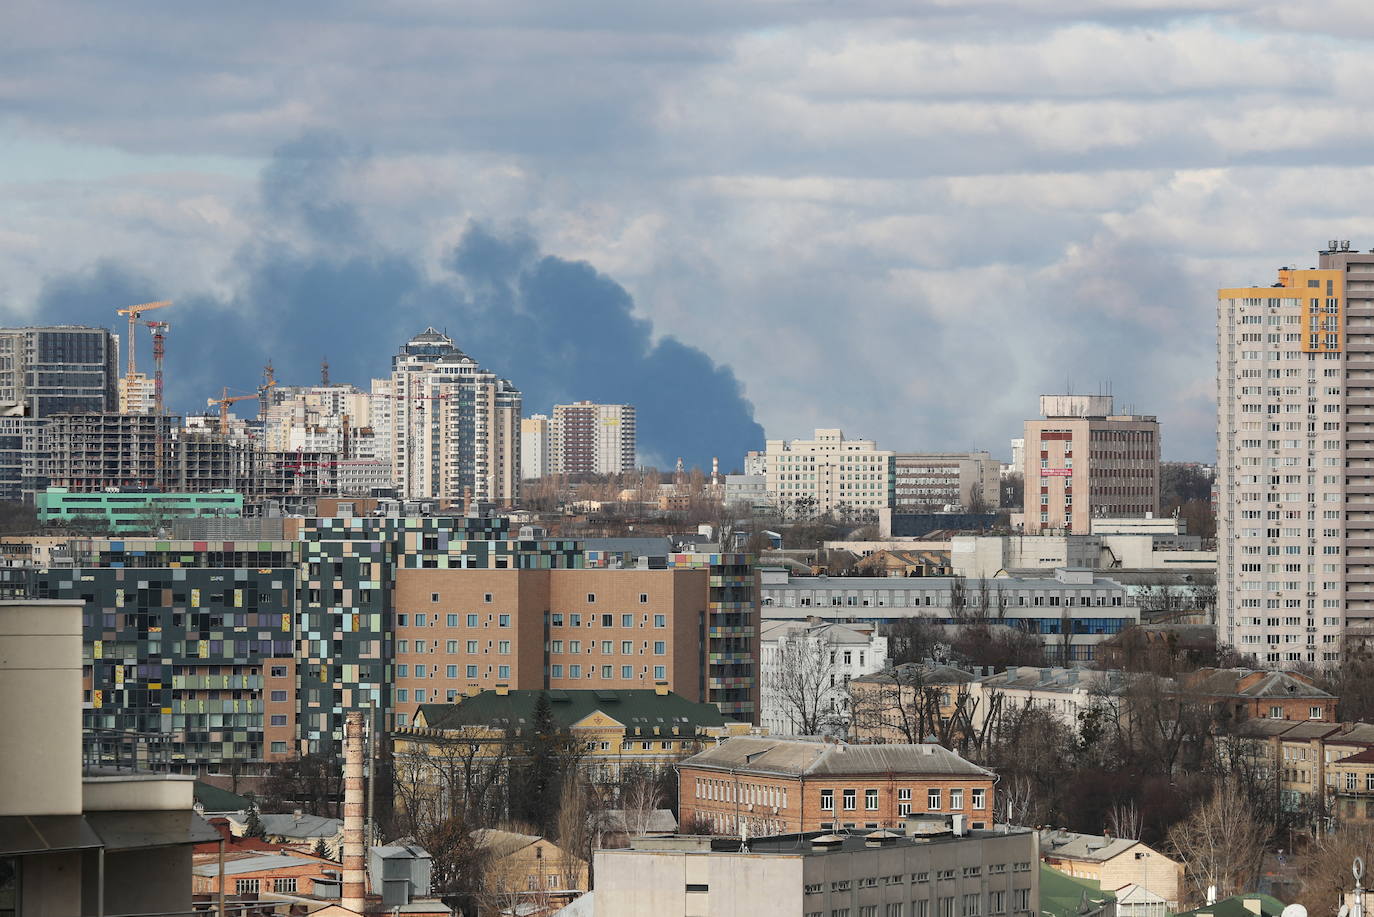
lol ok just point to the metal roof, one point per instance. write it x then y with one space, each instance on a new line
799 757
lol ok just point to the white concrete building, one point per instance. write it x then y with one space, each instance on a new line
455 427
1295 470
851 478
534 447
1094 607
839 651
989 555
930 481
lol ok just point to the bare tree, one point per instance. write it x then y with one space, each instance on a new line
1326 866
1221 844
915 639
803 681
1124 820
1014 800
641 799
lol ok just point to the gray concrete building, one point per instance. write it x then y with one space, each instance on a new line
59 369
935 870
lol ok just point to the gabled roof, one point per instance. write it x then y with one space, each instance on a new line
291 825
214 799
799 757
503 843
915 673
640 711
1235 906
1227 682
1094 848
1363 757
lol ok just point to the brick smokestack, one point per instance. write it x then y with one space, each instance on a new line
354 895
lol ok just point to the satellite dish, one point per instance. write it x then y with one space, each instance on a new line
1344 911
1294 910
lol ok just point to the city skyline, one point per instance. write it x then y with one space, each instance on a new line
856 193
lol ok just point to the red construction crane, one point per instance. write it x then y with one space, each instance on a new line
134 312
159 331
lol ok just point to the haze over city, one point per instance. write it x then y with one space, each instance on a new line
903 209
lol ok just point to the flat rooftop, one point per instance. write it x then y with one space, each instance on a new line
851 841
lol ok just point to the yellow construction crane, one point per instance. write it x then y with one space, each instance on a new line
224 400
134 312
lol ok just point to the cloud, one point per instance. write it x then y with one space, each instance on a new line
906 220
312 281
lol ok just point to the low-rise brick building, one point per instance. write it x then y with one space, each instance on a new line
1249 693
773 786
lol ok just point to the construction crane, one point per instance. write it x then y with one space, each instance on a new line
134 312
159 331
224 400
269 375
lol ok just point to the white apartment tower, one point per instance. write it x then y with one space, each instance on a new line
455 427
534 447
851 478
587 438
1295 473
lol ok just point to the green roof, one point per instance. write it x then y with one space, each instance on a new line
213 799
1062 895
640 710
1234 906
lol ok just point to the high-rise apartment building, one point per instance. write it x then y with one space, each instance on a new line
1295 470
455 427
852 478
534 447
62 369
137 394
1083 461
587 438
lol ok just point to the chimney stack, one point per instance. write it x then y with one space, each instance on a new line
354 895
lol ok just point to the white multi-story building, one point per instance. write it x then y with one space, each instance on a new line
455 427
829 474
832 654
587 438
1295 471
534 447
137 394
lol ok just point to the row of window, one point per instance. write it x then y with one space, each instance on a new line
934 799
968 905
607 620
451 620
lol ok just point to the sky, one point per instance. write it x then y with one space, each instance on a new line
749 218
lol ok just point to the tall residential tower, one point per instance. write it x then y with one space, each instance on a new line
1295 471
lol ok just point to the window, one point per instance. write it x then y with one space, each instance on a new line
503 647
503 671
472 620
246 886
608 620
472 647
607 647
850 799
279 696
644 598
591 598
278 671
933 800
279 719
1276 713
627 647
402 646
472 671
1021 898
904 801
608 671
574 671
451 646
503 620
871 800
956 799
971 905
660 648
660 620
558 620
279 748
660 672
978 797
946 907
692 887
451 671
1315 713
827 800
556 671
627 671
486 597
997 902
450 620
402 620
420 620
284 884
403 695
627 620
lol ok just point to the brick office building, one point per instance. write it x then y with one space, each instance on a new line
569 629
775 786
